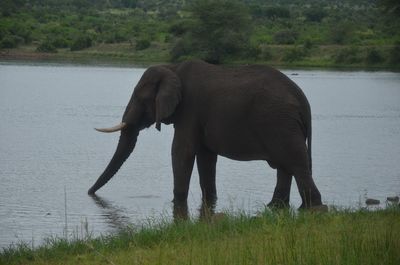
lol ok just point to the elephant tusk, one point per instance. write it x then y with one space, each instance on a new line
112 129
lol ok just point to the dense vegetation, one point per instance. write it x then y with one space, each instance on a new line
317 32
283 237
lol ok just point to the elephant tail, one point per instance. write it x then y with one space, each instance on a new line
309 134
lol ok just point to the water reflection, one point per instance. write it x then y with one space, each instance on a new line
116 217
205 211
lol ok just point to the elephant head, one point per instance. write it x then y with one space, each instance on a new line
154 99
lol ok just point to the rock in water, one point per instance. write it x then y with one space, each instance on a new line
393 199
372 201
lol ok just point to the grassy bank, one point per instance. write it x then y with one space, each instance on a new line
337 237
324 56
108 54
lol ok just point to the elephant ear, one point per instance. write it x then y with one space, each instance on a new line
168 95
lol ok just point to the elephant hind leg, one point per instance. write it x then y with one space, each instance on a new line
309 192
281 196
297 162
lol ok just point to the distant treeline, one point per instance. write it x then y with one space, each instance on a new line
214 30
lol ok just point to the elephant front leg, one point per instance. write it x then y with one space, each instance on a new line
281 196
182 165
206 165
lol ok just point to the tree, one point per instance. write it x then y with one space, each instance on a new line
81 42
142 44
220 29
286 37
315 14
391 6
341 33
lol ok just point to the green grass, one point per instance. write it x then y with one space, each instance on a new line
283 237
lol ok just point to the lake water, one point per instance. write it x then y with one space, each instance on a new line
50 155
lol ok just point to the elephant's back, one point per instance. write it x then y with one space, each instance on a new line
237 92
247 79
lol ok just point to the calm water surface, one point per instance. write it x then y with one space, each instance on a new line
50 155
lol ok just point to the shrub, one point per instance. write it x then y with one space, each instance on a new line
286 37
8 42
22 31
347 55
81 42
120 36
60 42
294 54
253 51
266 54
315 14
179 28
394 54
308 44
142 44
270 12
178 50
46 46
274 12
341 34
373 56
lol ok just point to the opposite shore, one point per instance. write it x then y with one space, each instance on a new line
321 57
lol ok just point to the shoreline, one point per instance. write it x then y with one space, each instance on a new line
363 236
125 60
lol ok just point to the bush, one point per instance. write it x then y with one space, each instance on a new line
270 12
8 42
274 12
294 54
142 44
179 50
394 55
285 37
341 34
315 14
22 31
81 42
373 56
60 42
46 46
253 52
308 44
347 55
266 54
179 28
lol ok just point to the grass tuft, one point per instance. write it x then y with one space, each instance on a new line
272 237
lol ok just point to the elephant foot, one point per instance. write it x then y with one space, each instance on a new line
310 199
278 204
207 209
180 206
180 211
209 201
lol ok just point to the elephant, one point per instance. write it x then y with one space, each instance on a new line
250 112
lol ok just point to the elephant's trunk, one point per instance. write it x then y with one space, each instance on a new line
126 144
